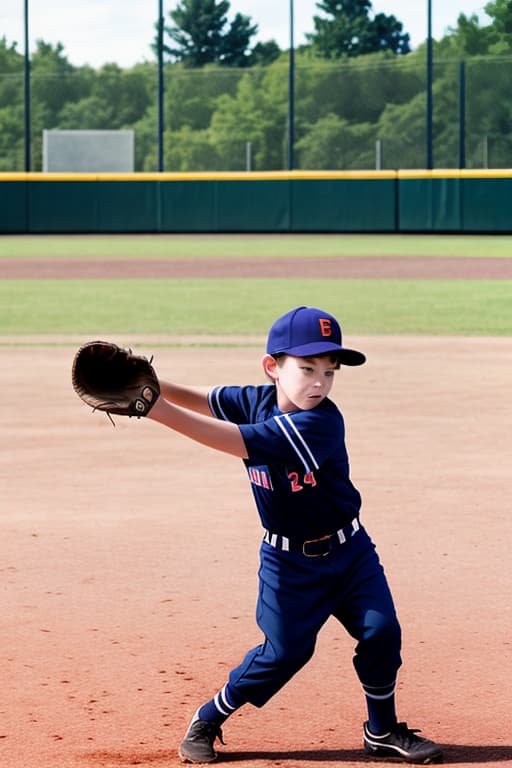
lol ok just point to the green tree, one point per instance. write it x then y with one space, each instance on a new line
197 33
116 99
191 94
146 144
351 32
200 37
469 38
402 130
11 89
55 82
334 144
356 89
238 120
500 12
489 111
235 43
264 53
257 114
12 140
187 150
11 62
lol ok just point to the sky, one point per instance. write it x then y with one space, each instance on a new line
98 31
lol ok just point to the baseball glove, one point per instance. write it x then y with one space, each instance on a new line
114 380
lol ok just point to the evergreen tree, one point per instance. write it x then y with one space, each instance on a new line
235 43
351 31
264 53
200 37
198 31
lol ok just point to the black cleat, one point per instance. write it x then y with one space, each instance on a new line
402 743
197 746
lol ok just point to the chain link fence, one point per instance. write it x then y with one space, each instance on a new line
353 115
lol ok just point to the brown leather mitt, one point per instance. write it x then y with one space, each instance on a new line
112 379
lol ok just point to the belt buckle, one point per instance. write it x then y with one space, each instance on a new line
313 541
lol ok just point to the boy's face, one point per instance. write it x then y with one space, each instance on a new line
301 382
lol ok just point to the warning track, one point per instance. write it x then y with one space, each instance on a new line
368 267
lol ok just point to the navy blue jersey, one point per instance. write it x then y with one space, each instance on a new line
298 464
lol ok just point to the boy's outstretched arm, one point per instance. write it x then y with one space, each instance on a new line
193 398
190 418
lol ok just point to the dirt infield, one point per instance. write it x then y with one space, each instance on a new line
129 558
334 267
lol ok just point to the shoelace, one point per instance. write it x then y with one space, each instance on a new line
213 732
408 734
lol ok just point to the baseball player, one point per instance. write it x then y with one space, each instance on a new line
317 559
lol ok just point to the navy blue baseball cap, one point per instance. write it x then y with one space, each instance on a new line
308 331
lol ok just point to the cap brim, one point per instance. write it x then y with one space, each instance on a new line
344 355
351 357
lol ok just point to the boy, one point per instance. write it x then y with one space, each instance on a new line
316 558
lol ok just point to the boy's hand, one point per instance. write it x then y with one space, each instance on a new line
114 380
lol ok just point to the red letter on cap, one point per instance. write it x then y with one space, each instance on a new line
325 326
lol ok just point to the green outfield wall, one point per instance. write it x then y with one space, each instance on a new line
385 201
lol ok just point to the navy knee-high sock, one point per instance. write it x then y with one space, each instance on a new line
218 709
380 703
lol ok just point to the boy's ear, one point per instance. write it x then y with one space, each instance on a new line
270 367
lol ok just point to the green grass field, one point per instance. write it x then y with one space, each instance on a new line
257 246
236 307
246 306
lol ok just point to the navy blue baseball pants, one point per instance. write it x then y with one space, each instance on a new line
297 595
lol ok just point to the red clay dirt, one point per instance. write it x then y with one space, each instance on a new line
129 558
335 267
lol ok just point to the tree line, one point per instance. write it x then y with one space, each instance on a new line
202 34
357 83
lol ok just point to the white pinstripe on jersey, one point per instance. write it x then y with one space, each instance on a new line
297 442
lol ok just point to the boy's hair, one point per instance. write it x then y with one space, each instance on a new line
331 355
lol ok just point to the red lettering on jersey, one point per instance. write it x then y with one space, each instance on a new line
309 479
325 326
260 477
294 477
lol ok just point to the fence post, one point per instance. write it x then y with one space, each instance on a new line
429 137
291 94
462 115
378 155
160 54
485 151
27 93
